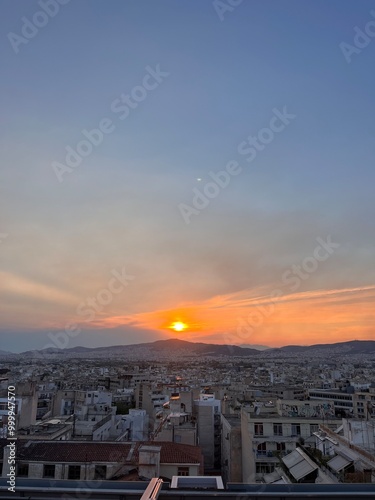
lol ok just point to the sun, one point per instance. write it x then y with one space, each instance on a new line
178 326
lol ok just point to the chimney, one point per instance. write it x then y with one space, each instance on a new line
149 461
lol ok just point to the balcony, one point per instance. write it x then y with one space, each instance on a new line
260 454
275 439
271 455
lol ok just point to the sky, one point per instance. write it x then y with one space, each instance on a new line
206 163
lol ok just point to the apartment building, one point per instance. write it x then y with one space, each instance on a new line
282 391
133 426
360 404
231 448
26 405
343 400
274 429
207 411
176 424
84 461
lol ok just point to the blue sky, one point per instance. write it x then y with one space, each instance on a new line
119 207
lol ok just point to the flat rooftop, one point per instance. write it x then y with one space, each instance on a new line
234 420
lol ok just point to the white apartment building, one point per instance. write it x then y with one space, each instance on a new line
207 411
273 429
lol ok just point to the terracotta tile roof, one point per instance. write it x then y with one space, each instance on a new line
97 451
176 453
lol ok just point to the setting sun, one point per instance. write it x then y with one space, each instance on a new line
178 326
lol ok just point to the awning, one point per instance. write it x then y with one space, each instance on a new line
302 469
339 462
299 464
292 459
275 477
271 477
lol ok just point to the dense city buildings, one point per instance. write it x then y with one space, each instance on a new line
254 420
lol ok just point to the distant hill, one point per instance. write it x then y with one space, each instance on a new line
351 347
256 346
176 348
171 348
6 353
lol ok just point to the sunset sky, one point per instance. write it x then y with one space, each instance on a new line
104 252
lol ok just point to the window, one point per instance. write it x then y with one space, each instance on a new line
49 470
258 429
23 470
280 446
262 450
278 429
74 472
296 430
264 467
314 428
4 406
182 471
100 472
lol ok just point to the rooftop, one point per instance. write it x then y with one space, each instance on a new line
234 420
103 451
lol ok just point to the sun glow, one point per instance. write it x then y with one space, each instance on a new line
178 326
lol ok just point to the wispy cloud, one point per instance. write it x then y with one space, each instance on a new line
337 314
22 287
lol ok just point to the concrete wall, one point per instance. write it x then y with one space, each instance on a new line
149 461
27 391
248 459
304 409
205 417
231 452
179 434
62 470
167 470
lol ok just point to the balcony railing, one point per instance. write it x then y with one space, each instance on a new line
272 454
268 454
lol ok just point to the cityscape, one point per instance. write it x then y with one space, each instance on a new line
187 249
173 409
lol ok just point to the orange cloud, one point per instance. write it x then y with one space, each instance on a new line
251 316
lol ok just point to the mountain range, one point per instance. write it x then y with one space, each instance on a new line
177 348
